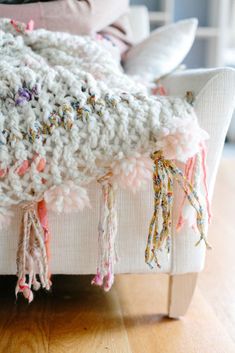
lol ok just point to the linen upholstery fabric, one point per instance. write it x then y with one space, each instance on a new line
214 105
74 245
162 52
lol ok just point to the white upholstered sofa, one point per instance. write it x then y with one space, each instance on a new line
74 237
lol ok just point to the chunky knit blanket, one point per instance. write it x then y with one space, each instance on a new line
69 116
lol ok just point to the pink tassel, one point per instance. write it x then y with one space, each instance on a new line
21 27
158 90
108 281
190 169
188 172
107 233
30 26
25 290
98 280
31 254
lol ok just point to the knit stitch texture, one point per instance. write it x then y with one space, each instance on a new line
65 99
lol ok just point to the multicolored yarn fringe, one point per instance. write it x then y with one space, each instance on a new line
165 172
163 199
32 257
33 250
107 256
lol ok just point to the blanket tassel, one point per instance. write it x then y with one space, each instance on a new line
107 230
31 254
195 174
163 199
165 172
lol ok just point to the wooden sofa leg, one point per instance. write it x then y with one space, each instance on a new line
181 289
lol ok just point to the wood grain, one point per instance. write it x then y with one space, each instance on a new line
150 331
217 281
24 328
76 317
85 319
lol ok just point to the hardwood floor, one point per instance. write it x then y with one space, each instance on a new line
78 318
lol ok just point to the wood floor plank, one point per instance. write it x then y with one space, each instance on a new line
217 281
85 319
150 331
24 328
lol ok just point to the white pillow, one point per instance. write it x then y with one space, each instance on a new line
163 51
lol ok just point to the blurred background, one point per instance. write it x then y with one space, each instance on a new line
215 41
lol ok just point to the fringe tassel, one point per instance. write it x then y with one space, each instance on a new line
31 254
165 171
189 175
163 199
193 174
107 256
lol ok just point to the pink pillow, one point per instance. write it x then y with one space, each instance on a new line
23 13
58 15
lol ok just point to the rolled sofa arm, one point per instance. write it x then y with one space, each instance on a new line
214 92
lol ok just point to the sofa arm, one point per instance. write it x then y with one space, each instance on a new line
214 92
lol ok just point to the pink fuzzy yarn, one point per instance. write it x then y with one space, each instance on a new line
97 280
3 172
21 27
108 282
67 197
182 140
23 287
133 172
23 168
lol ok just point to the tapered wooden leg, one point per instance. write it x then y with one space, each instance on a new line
181 289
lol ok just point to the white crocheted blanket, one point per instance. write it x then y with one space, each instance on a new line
70 115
